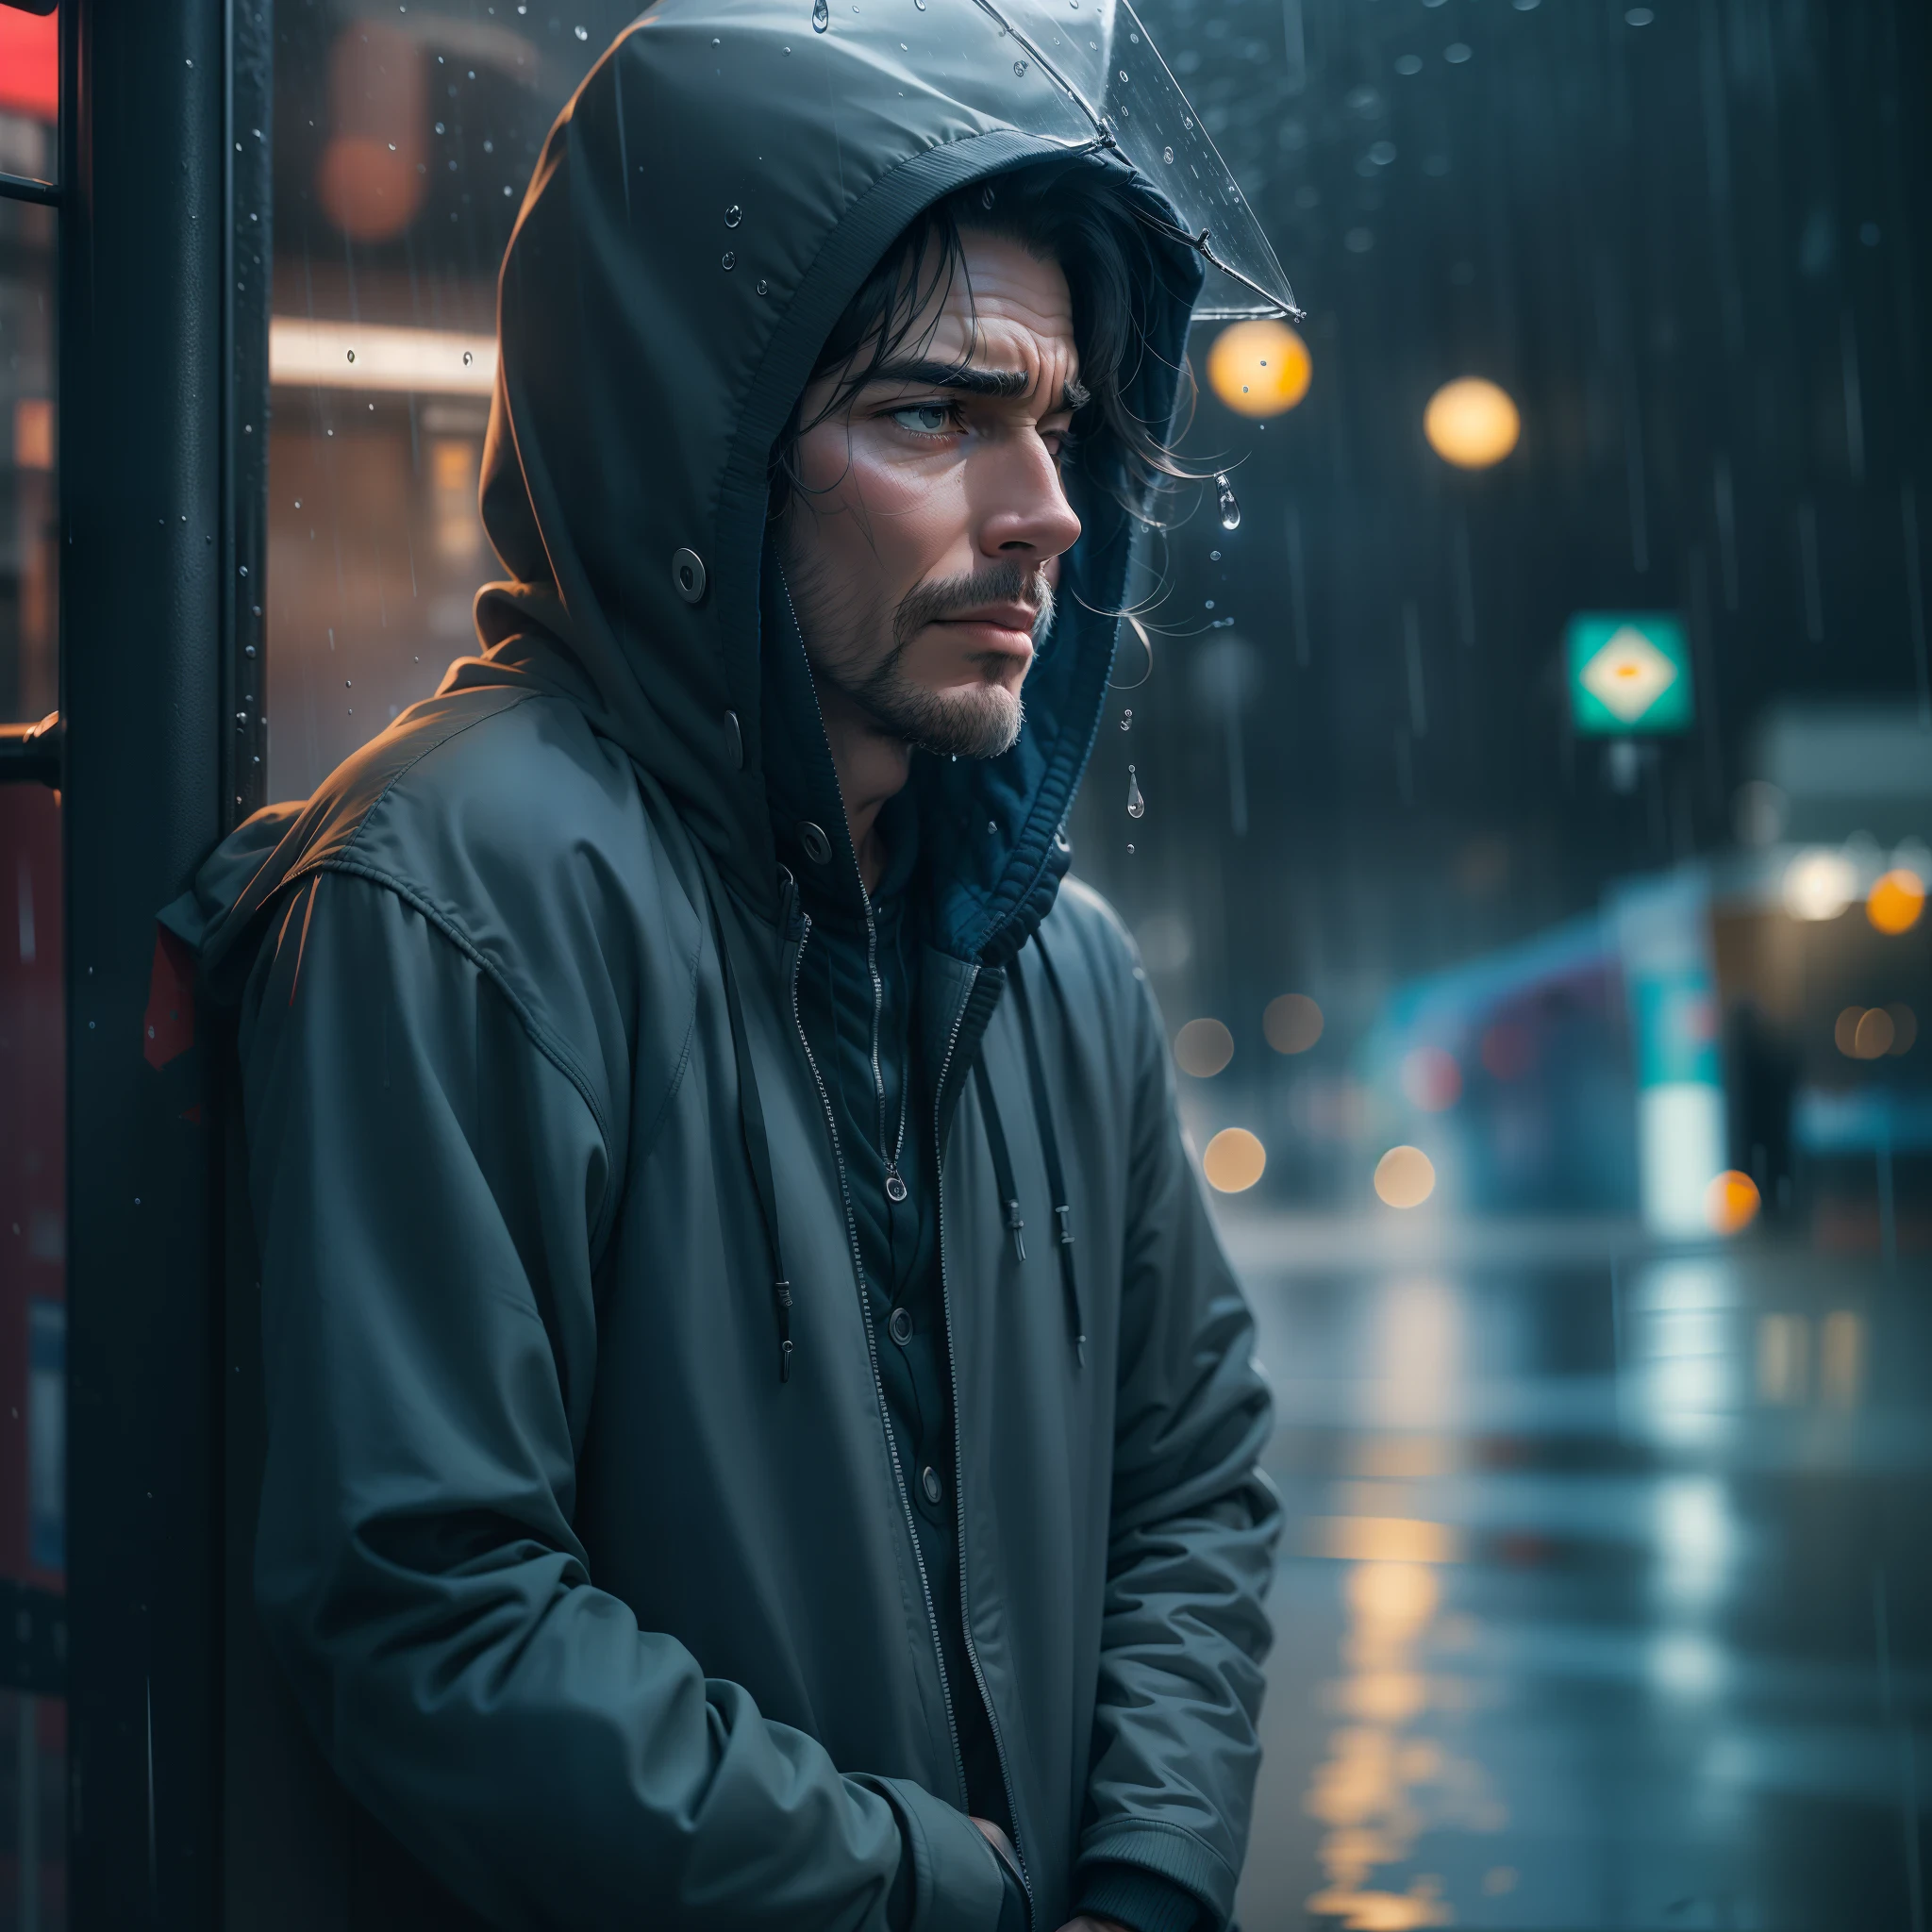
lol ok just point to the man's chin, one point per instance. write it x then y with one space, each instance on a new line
979 723
975 722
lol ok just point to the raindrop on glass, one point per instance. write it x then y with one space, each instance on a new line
733 215
1128 719
1230 507
821 15
1019 67
1214 556
583 33
1130 848
1167 156
728 261
762 285
352 355
468 358
1137 805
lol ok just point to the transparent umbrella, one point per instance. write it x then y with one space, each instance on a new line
1106 60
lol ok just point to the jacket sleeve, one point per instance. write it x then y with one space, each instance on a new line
429 1187
1193 1532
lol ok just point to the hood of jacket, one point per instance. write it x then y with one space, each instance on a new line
704 207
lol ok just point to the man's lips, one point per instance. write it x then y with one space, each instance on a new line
1007 628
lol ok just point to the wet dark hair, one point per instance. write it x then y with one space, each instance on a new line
1076 213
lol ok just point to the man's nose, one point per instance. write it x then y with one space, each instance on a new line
1026 511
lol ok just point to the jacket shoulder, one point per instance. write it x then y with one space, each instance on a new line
1085 936
527 842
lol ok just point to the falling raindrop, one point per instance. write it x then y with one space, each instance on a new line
1130 848
583 33
1128 719
762 285
1137 805
821 15
733 215
728 261
1214 556
1167 156
1230 507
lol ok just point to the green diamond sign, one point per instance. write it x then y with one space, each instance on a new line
1630 673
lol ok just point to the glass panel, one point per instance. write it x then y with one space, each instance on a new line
403 147
29 94
33 1364
28 555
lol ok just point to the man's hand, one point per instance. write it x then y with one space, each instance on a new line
1004 1846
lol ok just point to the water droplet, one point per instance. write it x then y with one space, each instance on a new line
1214 556
468 358
733 215
1208 604
1130 848
1128 719
986 195
821 15
1230 507
1019 67
727 261
1167 156
1137 805
583 33
762 285
352 355
1124 77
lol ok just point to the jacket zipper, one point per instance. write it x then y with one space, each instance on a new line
872 1348
958 1453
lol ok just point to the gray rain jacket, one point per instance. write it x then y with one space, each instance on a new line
607 1620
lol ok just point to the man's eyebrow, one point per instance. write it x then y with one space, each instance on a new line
973 381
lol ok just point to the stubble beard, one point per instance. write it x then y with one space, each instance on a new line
979 721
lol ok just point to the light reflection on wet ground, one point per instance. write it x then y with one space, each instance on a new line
1607 1596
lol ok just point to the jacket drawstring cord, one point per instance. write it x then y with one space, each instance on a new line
1002 1160
758 1149
1049 1142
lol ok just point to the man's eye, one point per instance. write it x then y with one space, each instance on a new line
924 419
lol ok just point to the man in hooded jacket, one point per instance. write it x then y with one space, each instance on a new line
689 1499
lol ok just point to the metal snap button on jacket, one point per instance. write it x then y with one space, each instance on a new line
815 845
929 1482
688 573
899 1326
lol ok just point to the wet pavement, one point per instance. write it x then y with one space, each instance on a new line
1606 1599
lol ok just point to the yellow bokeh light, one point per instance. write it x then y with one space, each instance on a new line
1234 1160
1895 903
1202 1048
1404 1178
1873 1037
1260 368
1472 423
1292 1023
1730 1203
1869 1032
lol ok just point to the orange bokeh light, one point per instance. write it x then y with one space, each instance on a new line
1895 903
1731 1202
1234 1160
1260 368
